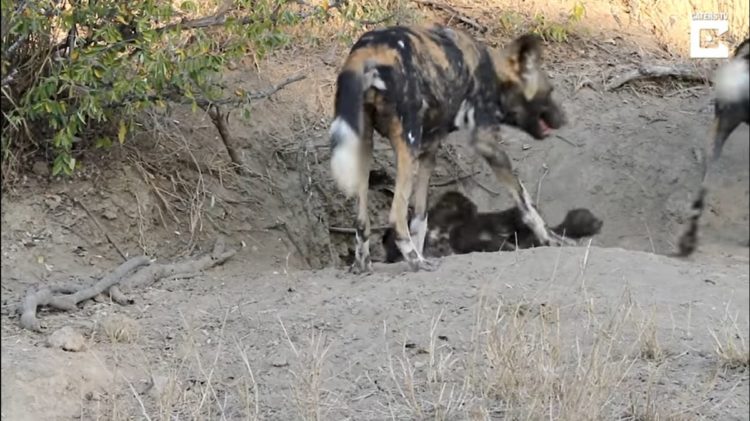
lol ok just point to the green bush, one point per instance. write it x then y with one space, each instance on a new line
77 73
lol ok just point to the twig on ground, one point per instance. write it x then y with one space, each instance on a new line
282 226
569 142
453 180
99 226
67 298
539 184
342 230
460 16
656 71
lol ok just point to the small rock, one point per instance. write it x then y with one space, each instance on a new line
279 362
109 214
67 339
52 201
525 147
40 168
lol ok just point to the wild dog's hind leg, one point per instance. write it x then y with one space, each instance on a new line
426 162
398 216
362 262
485 143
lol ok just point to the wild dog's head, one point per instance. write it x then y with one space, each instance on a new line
525 91
579 223
732 105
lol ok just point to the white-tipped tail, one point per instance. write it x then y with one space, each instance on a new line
345 156
732 81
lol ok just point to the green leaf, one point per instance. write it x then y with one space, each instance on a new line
188 7
122 131
103 142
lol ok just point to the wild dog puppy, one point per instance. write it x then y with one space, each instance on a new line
452 210
414 86
731 108
457 228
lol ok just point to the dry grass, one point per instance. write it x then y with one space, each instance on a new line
731 345
665 21
518 363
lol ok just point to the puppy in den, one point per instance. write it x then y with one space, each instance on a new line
456 227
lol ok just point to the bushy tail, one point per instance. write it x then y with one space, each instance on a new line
346 130
689 240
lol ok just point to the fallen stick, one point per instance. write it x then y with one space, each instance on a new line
155 272
342 230
67 298
656 71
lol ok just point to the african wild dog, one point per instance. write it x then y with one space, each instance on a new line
415 85
731 108
457 228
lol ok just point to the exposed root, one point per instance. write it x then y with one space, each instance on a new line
220 118
67 298
654 72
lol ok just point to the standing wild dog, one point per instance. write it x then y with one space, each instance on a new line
731 108
414 86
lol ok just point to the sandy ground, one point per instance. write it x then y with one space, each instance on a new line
616 330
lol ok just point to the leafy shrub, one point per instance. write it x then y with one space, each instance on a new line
76 73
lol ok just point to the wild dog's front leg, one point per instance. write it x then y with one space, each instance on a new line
418 224
362 262
399 207
484 141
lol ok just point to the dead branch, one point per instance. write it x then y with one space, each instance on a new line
655 72
220 120
67 298
460 16
155 272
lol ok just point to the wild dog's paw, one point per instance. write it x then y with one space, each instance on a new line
426 265
361 266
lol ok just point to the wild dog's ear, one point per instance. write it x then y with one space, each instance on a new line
742 50
524 56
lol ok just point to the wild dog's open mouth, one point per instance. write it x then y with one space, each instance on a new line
546 130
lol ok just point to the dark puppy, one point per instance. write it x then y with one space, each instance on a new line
457 228
415 85
731 108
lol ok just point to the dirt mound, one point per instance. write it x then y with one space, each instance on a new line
634 327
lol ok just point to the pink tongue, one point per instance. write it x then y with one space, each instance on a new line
545 128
